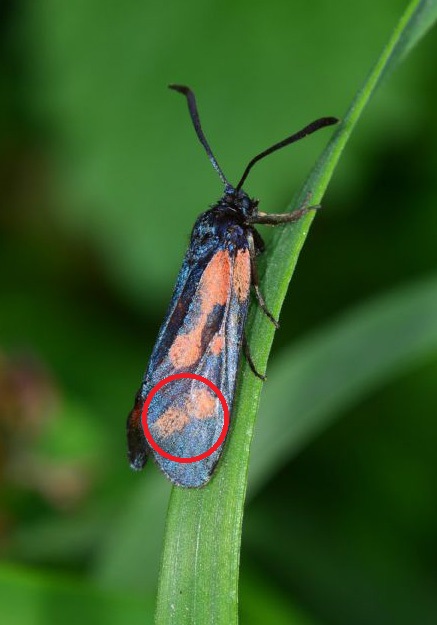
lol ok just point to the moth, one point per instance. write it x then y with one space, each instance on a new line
202 334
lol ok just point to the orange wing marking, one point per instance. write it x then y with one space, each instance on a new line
201 404
213 290
217 344
241 277
173 420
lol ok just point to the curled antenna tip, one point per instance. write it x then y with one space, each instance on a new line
180 88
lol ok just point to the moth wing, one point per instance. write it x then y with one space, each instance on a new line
185 417
189 417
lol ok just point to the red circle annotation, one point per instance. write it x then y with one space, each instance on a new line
151 440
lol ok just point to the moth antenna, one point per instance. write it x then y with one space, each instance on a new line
194 114
316 125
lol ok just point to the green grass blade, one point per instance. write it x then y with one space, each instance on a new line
390 334
199 574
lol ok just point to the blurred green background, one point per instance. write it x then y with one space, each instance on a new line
101 180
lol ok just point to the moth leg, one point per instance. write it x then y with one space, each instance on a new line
255 282
250 362
273 219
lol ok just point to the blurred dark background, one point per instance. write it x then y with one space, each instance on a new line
101 180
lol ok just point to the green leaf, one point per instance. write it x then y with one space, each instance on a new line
199 575
29 598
